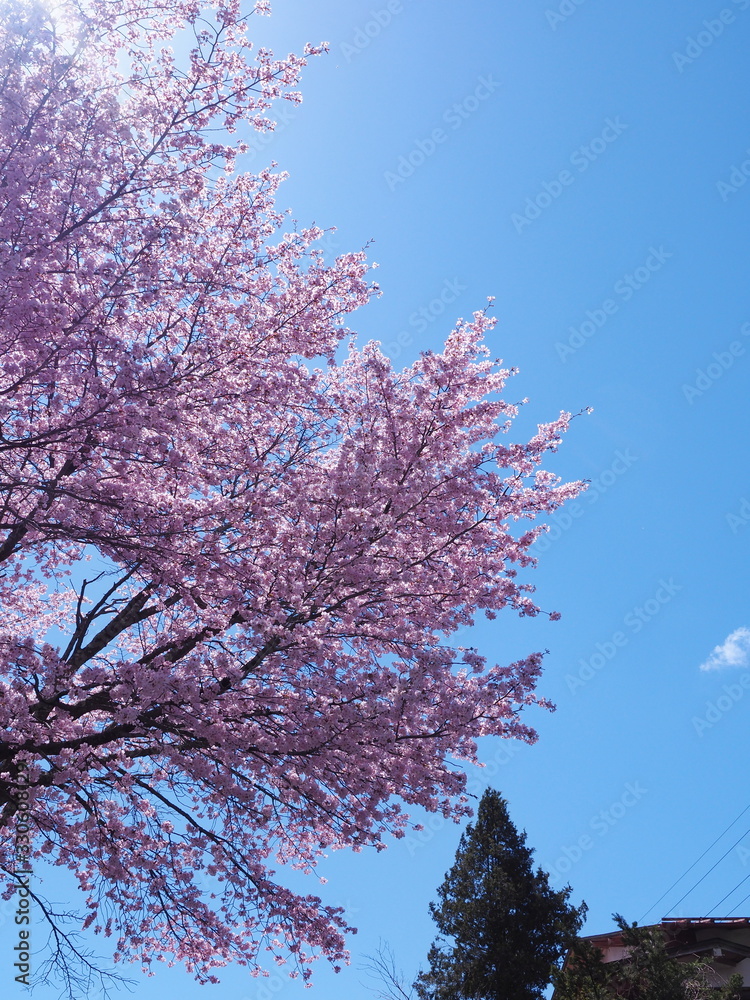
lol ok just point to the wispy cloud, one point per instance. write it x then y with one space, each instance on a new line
733 652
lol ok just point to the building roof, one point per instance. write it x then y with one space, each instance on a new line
673 927
712 939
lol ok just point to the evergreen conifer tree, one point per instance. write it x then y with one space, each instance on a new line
502 927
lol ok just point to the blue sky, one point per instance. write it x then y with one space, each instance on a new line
583 164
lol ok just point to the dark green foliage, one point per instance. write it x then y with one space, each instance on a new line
585 976
502 928
648 973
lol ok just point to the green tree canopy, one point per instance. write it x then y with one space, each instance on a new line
648 973
502 928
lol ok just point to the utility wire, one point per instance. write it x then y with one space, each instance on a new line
728 895
739 905
694 864
710 870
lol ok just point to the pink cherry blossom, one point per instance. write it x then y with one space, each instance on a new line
233 552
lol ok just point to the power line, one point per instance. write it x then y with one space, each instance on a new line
693 866
710 870
744 900
728 895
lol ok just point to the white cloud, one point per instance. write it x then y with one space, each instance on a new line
733 652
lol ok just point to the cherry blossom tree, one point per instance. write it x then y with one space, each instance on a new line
233 546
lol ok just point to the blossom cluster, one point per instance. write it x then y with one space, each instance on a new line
232 553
